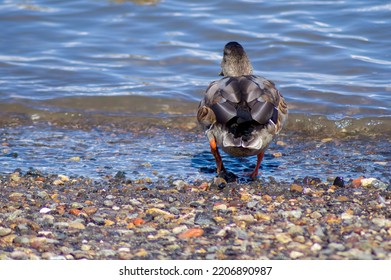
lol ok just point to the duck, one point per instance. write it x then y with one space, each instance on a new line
241 113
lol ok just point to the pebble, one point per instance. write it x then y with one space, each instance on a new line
107 253
252 220
283 237
58 182
295 230
179 229
19 255
296 188
316 247
293 213
204 219
220 206
245 218
61 225
252 204
159 212
63 178
336 246
108 203
45 210
381 222
295 255
21 240
316 215
262 216
15 177
4 231
77 225
191 233
179 184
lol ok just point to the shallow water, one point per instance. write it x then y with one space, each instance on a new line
160 155
104 61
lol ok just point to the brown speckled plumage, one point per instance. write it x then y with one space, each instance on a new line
241 112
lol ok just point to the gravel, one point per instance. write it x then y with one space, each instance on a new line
115 218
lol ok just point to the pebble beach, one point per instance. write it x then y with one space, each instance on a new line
56 216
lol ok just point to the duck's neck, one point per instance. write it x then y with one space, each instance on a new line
237 67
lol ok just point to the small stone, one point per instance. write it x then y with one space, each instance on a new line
22 240
293 213
191 233
342 198
281 143
283 238
137 221
220 206
141 253
90 210
316 247
43 195
295 230
108 203
381 222
77 225
19 255
346 216
45 210
336 246
241 234
58 182
245 218
15 177
179 184
315 215
296 188
4 231
108 253
75 211
262 217
325 140
252 204
15 196
63 178
339 182
278 154
204 219
109 223
295 254
159 212
299 238
372 182
179 229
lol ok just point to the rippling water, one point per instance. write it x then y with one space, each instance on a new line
330 59
327 57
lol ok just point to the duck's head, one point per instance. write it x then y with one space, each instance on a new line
235 61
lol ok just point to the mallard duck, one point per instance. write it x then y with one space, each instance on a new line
241 113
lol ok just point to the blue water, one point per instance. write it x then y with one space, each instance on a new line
330 58
97 60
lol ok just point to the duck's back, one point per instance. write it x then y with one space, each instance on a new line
244 103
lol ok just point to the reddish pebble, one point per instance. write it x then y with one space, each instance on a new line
190 233
75 212
137 221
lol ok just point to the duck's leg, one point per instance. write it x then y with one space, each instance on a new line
217 156
259 160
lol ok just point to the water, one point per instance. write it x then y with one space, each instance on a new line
94 62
